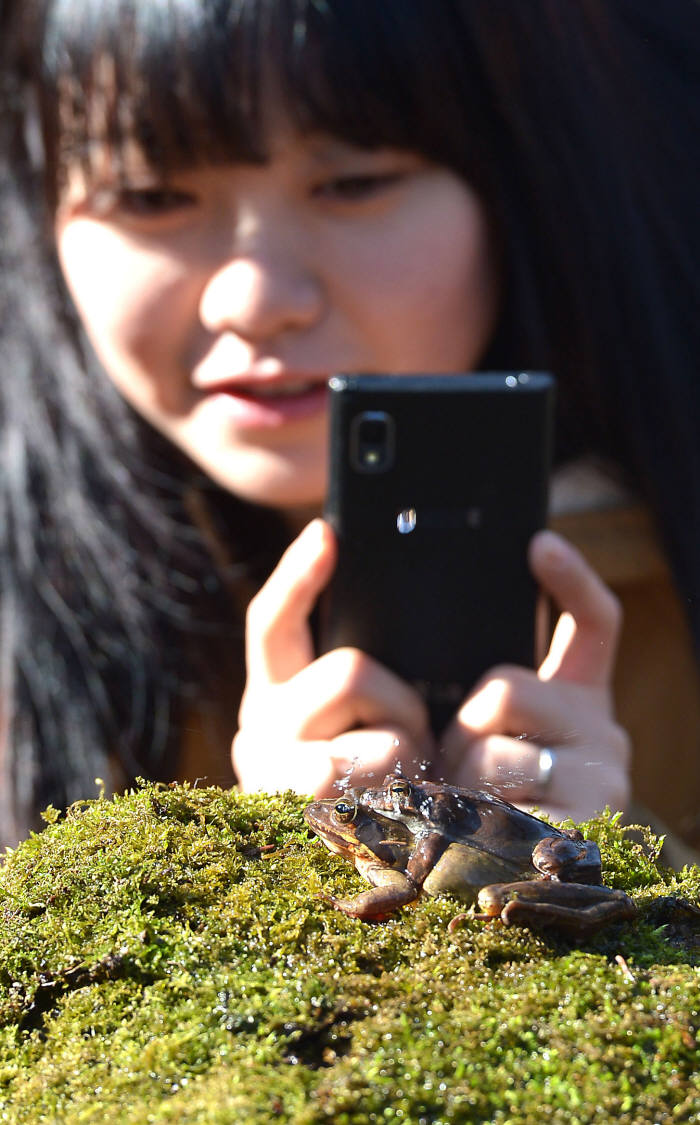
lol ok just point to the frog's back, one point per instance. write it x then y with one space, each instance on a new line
485 819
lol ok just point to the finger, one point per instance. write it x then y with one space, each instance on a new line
582 782
585 639
278 635
345 689
494 761
274 768
365 757
324 768
509 765
514 701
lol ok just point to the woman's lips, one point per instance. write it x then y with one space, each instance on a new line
269 403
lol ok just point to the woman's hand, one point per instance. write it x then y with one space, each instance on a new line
306 723
566 706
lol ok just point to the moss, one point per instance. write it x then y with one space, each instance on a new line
164 958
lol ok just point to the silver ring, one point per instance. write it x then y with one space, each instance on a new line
546 762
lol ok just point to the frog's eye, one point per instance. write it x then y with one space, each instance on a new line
344 811
400 789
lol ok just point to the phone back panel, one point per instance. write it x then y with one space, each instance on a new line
432 577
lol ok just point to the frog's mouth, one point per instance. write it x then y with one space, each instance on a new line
334 843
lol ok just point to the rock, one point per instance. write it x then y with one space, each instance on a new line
165 958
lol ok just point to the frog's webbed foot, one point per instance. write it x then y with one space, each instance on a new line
456 922
575 909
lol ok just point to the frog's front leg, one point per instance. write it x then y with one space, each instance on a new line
574 908
391 889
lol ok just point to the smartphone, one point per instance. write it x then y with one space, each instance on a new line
436 486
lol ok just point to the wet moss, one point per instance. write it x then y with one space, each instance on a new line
164 958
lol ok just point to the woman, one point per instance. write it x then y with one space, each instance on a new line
208 209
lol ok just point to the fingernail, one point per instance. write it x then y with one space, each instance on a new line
552 550
315 531
313 536
480 709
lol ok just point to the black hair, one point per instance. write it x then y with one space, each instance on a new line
575 122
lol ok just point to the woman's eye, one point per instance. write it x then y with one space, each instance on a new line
152 201
357 187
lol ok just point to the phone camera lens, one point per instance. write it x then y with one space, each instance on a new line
372 442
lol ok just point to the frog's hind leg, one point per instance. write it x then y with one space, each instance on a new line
593 908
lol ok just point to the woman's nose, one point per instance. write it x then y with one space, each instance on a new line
259 294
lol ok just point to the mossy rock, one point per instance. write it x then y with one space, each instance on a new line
166 958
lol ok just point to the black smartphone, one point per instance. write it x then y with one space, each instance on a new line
436 485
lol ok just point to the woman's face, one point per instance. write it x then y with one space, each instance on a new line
220 301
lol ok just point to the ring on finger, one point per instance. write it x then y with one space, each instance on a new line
546 761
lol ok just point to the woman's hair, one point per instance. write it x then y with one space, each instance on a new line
576 122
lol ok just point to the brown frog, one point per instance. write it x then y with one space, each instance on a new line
407 839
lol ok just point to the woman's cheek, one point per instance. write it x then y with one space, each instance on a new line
135 305
425 285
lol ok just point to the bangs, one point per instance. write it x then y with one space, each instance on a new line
192 81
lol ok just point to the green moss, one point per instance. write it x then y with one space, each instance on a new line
165 958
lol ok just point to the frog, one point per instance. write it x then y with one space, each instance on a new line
408 839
